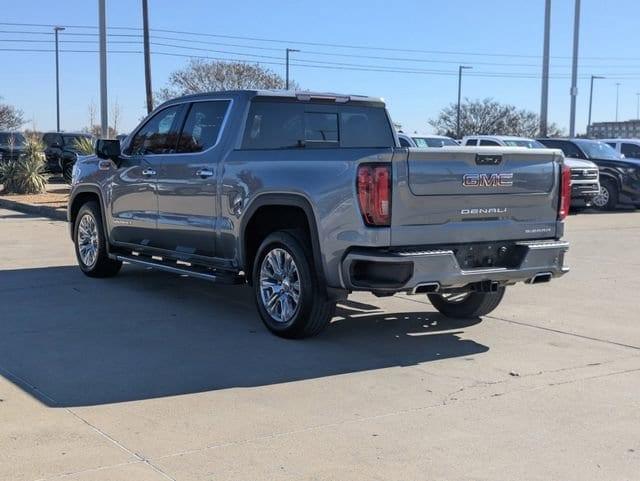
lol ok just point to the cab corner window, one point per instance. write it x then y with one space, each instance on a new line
203 126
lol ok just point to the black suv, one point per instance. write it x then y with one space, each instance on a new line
61 151
619 177
11 145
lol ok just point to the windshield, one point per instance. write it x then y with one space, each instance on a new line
70 140
433 142
15 138
530 144
598 150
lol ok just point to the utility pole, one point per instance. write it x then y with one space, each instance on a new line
289 50
574 70
104 112
638 105
460 69
617 98
55 31
544 102
147 55
593 77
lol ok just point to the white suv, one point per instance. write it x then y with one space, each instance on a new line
500 140
630 148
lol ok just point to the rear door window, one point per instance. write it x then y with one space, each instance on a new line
631 150
404 142
203 125
471 142
488 142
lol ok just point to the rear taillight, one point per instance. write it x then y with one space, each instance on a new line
565 193
374 193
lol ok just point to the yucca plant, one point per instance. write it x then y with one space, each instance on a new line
25 175
84 145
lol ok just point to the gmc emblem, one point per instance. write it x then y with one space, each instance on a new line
487 180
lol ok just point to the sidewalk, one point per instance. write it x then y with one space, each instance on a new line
52 204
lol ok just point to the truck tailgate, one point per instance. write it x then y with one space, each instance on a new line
462 195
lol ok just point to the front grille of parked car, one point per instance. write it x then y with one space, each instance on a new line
584 174
9 156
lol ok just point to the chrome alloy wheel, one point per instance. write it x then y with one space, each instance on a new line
88 240
280 285
602 198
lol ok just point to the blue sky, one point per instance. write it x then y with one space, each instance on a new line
501 39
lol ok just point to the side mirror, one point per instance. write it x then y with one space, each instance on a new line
108 150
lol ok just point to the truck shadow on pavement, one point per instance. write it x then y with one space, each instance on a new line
73 341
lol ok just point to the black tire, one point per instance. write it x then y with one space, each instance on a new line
102 266
475 304
67 171
608 197
314 310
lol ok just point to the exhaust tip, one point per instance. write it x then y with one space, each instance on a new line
541 278
426 288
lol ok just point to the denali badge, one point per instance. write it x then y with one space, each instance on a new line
479 211
487 180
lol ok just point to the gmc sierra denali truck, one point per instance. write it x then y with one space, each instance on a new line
308 197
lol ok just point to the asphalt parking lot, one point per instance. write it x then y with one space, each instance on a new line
149 376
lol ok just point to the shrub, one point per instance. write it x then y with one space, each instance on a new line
84 146
26 175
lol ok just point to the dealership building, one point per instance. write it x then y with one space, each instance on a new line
609 130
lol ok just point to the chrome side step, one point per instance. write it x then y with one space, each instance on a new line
182 268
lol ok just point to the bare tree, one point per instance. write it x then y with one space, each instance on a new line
10 117
116 112
91 110
489 117
208 76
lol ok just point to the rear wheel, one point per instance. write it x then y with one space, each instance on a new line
607 199
91 244
467 305
289 298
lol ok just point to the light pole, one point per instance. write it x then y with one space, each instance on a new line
104 113
147 55
638 105
55 31
574 70
593 77
544 101
460 69
289 50
617 98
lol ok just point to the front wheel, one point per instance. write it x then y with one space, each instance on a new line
607 199
67 171
91 243
467 305
289 297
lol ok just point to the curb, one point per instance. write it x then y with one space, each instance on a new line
41 210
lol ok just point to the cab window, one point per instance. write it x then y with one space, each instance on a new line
160 134
630 150
203 125
488 142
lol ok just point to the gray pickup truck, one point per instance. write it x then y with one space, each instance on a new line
308 197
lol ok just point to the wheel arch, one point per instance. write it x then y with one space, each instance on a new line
80 197
282 200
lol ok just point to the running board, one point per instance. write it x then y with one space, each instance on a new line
184 269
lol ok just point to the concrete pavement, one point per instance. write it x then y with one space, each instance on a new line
150 376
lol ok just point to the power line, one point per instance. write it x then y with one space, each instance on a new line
304 64
322 44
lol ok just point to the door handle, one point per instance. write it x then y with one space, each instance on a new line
148 172
204 173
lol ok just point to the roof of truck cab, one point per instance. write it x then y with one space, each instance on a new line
301 94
